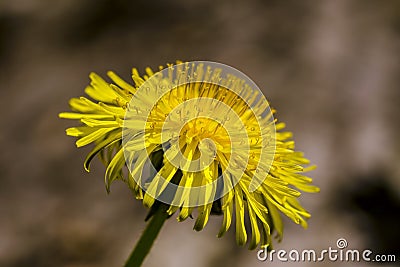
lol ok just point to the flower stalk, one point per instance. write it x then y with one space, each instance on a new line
149 235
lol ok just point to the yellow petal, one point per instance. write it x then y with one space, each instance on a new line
114 169
94 136
276 219
241 235
100 123
78 116
185 213
136 78
121 83
227 208
80 131
202 218
159 183
112 138
255 232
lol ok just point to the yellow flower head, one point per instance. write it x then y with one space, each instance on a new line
201 138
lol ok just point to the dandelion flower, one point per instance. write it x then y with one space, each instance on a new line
201 138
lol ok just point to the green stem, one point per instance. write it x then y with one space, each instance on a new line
145 242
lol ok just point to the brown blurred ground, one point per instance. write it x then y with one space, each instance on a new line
331 68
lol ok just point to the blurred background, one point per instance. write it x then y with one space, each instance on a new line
330 68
